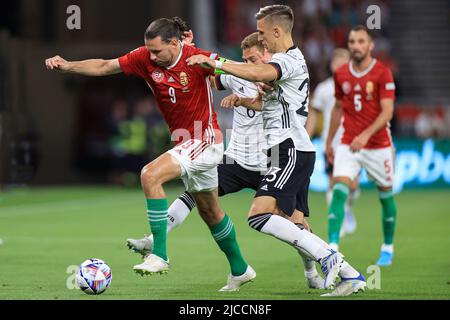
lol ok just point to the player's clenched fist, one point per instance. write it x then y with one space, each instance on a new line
230 101
57 63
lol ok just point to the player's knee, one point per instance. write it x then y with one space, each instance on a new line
343 180
257 209
211 216
384 189
149 175
258 221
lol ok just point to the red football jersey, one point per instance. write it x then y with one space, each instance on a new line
183 93
361 94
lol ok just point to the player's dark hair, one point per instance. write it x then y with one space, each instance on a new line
365 29
282 14
167 29
252 41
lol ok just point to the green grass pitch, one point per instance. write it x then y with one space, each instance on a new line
46 230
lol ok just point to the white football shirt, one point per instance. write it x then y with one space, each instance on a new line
324 100
285 109
247 140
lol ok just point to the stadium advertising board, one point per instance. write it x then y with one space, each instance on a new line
417 164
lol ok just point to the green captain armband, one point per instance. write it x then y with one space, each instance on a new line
220 71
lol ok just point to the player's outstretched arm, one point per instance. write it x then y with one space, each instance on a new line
311 122
250 72
335 122
233 100
91 67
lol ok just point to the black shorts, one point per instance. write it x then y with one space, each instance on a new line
288 177
233 177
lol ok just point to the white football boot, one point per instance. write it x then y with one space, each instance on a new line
331 265
235 282
142 246
151 265
348 287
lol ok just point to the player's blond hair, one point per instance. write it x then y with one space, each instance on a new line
341 53
278 14
252 41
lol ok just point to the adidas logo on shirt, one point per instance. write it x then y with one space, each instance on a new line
171 79
241 89
264 187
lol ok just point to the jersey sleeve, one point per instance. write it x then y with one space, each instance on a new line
133 63
387 85
223 82
283 65
209 54
338 94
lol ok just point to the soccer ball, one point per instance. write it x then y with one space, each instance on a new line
94 276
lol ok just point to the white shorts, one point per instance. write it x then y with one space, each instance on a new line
378 163
198 161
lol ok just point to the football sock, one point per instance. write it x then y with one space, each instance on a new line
179 210
308 263
329 196
225 236
157 217
336 211
288 232
389 216
387 248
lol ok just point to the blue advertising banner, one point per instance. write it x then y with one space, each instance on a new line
417 164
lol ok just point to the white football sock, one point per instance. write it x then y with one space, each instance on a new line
288 232
309 265
329 196
177 213
388 248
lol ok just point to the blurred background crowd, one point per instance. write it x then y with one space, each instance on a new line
76 129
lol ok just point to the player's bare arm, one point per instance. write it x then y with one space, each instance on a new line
91 67
335 121
311 122
250 72
233 100
387 111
